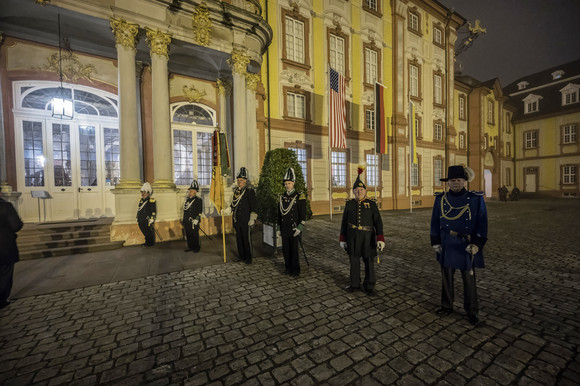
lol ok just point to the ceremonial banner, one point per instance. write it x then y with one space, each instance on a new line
381 119
216 194
337 116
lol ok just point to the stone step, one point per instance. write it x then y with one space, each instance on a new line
33 238
69 242
70 250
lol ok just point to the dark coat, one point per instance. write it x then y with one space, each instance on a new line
361 242
192 208
147 209
459 219
243 204
10 223
294 204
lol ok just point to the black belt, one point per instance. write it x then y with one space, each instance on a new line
456 234
361 227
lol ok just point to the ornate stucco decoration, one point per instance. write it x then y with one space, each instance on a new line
477 28
42 2
368 97
247 5
336 23
252 81
296 78
125 32
192 94
239 61
72 68
201 25
224 86
295 5
158 42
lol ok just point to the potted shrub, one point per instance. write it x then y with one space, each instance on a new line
271 186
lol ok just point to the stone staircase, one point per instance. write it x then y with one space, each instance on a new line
66 238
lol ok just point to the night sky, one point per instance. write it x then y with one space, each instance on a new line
523 36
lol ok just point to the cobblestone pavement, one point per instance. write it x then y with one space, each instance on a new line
238 324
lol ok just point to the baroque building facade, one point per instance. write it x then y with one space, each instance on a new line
546 120
150 80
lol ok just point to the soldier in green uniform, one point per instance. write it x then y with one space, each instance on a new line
361 233
291 220
146 213
192 208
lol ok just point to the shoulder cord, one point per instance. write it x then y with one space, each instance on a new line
462 209
141 206
236 201
285 211
187 205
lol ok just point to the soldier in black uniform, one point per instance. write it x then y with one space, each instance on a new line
361 233
146 215
243 208
192 208
10 223
291 220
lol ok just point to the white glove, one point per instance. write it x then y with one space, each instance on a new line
151 221
380 245
227 211
343 245
253 217
437 248
296 231
472 248
195 222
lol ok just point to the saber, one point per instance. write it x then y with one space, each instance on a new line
304 253
206 235
471 253
157 233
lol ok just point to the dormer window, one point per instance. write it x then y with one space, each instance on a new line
531 103
570 94
522 85
557 74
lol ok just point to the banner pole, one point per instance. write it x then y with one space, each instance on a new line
223 234
329 150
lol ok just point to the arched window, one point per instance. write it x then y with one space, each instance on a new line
85 102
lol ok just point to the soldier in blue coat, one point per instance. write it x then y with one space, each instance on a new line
458 234
291 220
146 213
10 223
192 208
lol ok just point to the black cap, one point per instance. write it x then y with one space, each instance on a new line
194 185
290 175
243 173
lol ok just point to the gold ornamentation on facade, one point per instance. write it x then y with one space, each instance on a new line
42 2
239 61
72 68
158 42
252 81
125 32
478 28
223 86
201 25
192 94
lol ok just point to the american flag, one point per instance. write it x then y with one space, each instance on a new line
337 122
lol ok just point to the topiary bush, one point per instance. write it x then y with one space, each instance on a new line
271 184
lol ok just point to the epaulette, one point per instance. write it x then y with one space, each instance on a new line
372 199
302 196
477 192
438 194
152 200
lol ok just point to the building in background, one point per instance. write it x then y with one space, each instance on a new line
547 155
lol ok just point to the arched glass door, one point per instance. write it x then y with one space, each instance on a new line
76 161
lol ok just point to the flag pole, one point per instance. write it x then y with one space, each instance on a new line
223 228
410 126
376 115
329 149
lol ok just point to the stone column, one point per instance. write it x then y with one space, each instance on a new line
125 34
162 148
252 145
239 62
